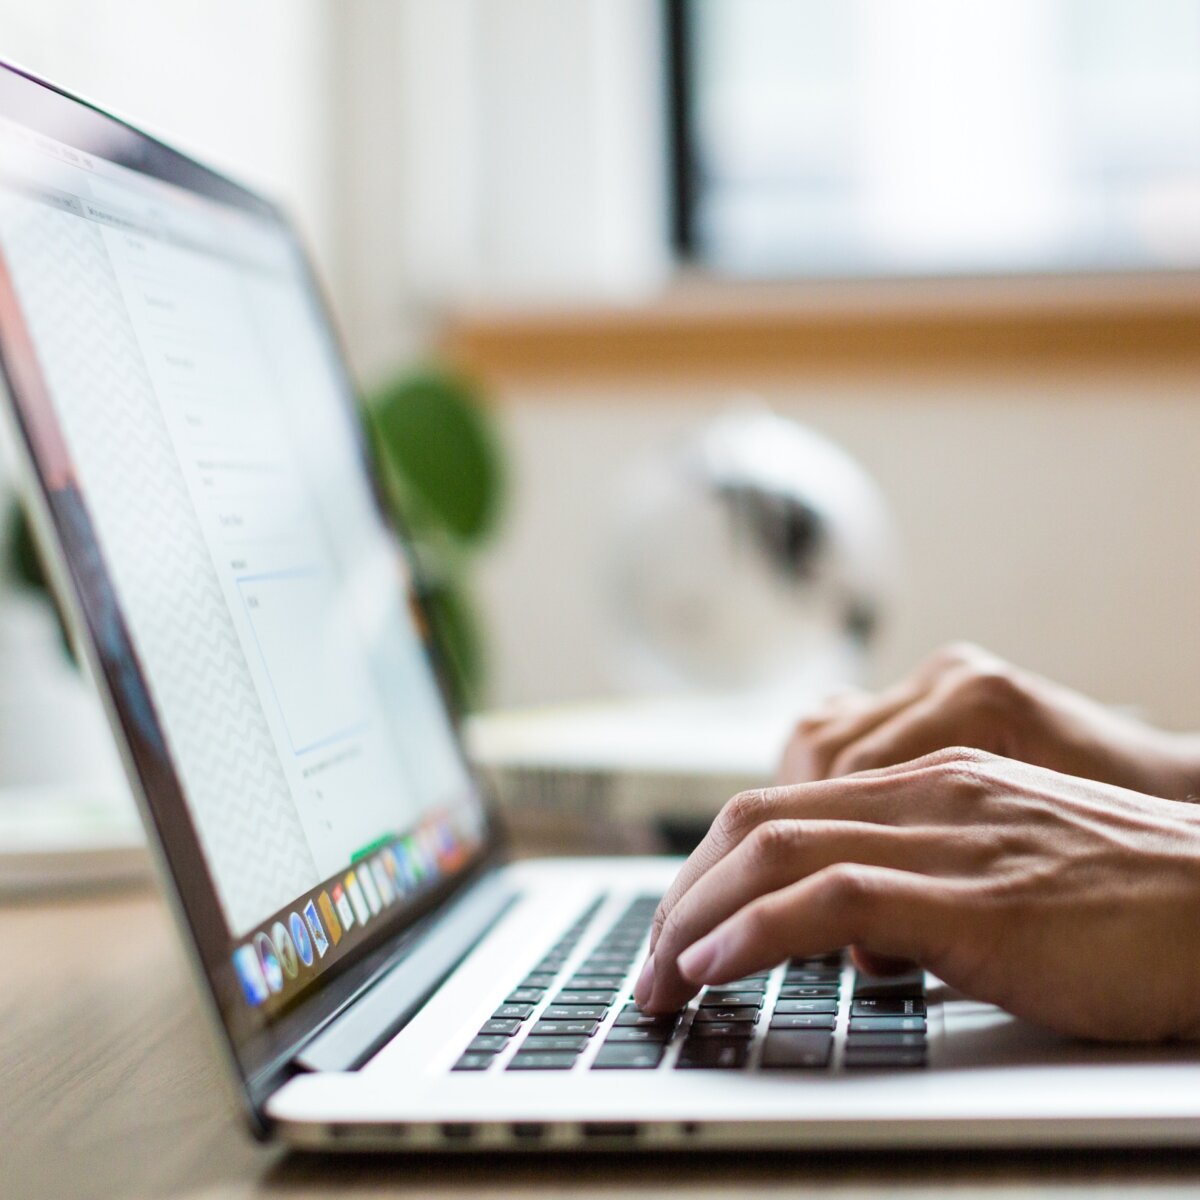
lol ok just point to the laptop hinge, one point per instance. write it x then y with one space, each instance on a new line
355 1034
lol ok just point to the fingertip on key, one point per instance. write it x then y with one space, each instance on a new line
644 987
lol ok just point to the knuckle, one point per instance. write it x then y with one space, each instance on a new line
994 690
843 891
966 772
742 813
959 654
845 884
773 843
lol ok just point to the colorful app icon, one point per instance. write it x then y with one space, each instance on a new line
250 975
361 911
450 853
286 949
368 886
326 907
316 929
409 875
418 857
389 865
269 961
427 840
342 903
383 881
304 946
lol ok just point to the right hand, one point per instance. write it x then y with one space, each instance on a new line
964 696
1073 904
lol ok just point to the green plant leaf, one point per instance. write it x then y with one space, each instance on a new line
432 431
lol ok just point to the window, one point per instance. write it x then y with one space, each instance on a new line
936 137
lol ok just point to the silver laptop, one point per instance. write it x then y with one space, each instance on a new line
378 975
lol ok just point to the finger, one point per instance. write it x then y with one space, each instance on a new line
892 913
990 710
878 964
819 739
930 724
900 794
775 855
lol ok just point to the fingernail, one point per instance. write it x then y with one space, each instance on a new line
645 984
696 960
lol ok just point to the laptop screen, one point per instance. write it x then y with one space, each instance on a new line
191 424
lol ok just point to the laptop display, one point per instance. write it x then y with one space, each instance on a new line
186 410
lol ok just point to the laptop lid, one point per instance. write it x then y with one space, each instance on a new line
200 474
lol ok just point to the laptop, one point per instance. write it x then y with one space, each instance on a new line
377 972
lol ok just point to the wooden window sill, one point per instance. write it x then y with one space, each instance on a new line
719 330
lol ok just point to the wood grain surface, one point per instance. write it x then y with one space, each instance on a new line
109 1089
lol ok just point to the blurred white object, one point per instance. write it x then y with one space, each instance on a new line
66 815
52 730
606 772
756 555
55 837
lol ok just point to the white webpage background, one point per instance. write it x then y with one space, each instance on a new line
200 406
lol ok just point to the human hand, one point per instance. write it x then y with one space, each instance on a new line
964 696
1073 904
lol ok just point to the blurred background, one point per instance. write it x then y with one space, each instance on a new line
959 240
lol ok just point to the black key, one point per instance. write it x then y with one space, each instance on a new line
573 1042
721 1030
585 983
730 999
628 1056
598 955
716 1056
803 1021
816 960
536 1060
574 1012
474 1062
757 977
631 1015
907 1041
887 1024
881 1057
911 984
498 1025
607 967
488 1043
517 1012
806 1006
887 1006
554 1028
808 991
524 995
539 979
742 1012
604 999
631 1033
796 977
787 1050
745 985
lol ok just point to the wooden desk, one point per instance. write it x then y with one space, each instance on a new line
108 1089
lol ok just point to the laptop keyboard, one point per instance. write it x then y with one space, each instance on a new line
784 1019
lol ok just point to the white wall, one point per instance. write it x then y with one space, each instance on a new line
1053 518
493 149
244 84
